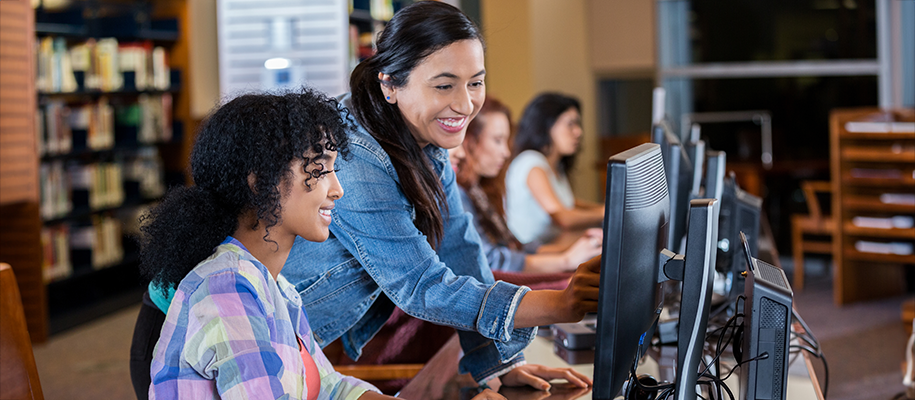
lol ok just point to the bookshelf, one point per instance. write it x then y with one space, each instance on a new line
107 109
366 20
873 183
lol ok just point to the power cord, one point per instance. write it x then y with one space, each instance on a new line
813 349
822 358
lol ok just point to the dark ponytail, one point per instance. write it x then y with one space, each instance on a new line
413 34
253 136
209 220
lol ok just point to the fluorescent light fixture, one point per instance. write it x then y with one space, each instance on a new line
277 63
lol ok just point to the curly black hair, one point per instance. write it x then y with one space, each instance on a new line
257 135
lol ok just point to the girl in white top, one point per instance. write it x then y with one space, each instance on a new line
540 204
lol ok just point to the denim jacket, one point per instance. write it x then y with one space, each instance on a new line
376 258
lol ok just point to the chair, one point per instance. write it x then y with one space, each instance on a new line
18 372
811 233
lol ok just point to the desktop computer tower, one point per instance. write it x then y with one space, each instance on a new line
766 330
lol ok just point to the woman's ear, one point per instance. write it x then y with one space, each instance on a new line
390 93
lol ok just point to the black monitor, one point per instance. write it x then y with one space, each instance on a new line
714 174
634 256
740 212
696 153
679 174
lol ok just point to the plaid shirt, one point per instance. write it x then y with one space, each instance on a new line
231 332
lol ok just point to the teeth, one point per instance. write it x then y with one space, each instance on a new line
324 212
452 123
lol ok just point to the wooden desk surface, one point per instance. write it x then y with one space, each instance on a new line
439 379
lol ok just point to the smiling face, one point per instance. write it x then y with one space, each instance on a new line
490 149
309 197
566 133
442 94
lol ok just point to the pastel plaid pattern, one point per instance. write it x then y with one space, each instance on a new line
230 333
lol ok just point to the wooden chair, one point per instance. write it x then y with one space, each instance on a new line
18 372
813 224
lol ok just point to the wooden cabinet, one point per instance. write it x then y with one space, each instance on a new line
873 183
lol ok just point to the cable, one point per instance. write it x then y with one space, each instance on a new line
822 358
807 332
721 384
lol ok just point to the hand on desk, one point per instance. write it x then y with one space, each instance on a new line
563 391
488 394
538 377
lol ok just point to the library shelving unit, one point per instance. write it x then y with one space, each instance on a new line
366 19
107 124
873 183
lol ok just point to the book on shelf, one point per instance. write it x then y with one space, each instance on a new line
95 122
146 171
54 135
100 65
56 253
55 71
96 245
55 190
100 184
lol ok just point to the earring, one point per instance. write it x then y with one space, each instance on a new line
389 97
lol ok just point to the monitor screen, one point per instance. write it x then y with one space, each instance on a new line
679 174
740 211
635 232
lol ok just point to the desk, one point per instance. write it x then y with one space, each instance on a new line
439 379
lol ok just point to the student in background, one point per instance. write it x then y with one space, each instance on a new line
264 172
479 165
540 204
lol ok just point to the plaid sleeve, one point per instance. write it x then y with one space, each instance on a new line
228 339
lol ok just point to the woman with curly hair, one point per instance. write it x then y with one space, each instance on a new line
479 164
263 167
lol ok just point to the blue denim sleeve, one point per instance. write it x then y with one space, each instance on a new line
463 252
374 222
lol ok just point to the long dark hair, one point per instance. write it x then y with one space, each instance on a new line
493 188
539 117
413 34
256 135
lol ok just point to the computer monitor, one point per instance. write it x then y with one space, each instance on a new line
635 262
696 153
635 232
679 174
715 162
740 212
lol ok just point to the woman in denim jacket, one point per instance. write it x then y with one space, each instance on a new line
402 237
